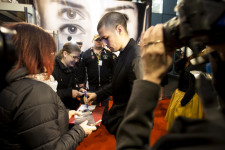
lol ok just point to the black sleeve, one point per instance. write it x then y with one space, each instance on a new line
139 112
135 71
82 71
105 92
190 92
218 71
44 125
63 93
112 65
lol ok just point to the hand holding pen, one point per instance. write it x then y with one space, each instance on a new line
85 99
91 97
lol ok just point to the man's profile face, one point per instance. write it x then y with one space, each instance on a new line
110 37
79 18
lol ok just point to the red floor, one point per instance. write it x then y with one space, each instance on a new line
102 140
160 124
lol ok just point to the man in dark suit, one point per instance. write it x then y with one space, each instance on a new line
112 29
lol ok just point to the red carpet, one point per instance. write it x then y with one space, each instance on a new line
160 124
102 140
98 140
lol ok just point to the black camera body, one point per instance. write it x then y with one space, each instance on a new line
199 21
7 54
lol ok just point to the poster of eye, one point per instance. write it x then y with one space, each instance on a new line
77 19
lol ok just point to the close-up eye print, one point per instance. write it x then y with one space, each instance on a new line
73 14
74 29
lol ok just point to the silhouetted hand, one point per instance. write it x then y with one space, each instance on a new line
155 60
76 94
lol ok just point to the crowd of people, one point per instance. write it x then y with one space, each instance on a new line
33 115
45 89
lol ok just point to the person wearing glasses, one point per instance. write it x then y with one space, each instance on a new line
97 68
66 75
79 43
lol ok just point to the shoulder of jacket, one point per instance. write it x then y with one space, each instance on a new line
87 52
30 89
29 83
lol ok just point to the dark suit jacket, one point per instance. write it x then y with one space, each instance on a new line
127 70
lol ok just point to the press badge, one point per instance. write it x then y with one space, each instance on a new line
100 63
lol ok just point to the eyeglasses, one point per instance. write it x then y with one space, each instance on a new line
98 39
74 57
79 43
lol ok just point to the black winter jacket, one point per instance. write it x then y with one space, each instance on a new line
32 116
89 66
67 81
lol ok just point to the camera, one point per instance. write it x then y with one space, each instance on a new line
199 23
7 54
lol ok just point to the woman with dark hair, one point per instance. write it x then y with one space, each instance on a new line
66 73
32 116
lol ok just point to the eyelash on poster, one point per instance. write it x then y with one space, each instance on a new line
65 10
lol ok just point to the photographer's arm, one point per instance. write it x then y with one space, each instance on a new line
134 130
136 126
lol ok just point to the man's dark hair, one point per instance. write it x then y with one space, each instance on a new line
112 19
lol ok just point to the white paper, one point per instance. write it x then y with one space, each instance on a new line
100 63
83 107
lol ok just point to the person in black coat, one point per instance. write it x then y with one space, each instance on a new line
112 28
97 69
188 134
32 116
97 65
66 74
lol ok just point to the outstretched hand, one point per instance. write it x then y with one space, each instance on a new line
91 97
73 112
87 128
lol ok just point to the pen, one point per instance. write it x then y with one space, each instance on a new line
85 97
97 122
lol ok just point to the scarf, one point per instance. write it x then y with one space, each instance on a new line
42 78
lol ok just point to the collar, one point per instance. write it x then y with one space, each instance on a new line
128 46
102 50
23 73
14 75
62 66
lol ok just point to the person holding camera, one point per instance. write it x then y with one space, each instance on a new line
32 114
199 134
158 43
